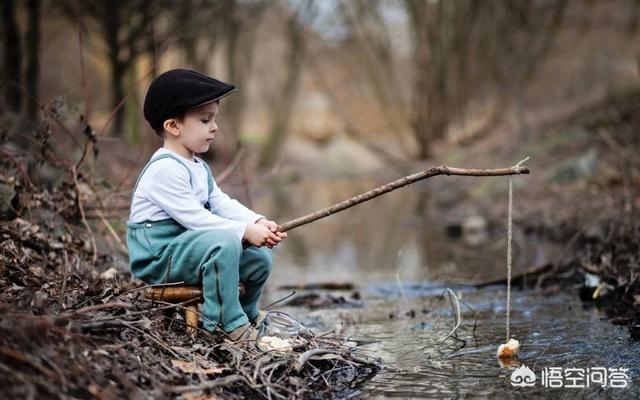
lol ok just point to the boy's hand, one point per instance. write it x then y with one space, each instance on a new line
260 235
273 227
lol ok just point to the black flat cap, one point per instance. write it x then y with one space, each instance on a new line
178 90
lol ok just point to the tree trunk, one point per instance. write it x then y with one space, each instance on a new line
189 38
12 63
373 43
117 75
238 59
429 100
32 73
112 26
240 31
284 105
152 47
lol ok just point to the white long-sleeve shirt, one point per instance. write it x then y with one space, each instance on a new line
165 191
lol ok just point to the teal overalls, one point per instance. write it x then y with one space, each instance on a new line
164 251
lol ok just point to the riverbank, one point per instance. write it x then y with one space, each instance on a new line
72 326
75 325
599 222
602 267
583 194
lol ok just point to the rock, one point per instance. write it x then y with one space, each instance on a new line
475 230
454 231
109 274
591 280
575 169
7 196
39 299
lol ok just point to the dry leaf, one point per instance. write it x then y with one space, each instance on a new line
109 274
192 367
198 396
329 356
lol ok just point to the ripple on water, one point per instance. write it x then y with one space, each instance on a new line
555 331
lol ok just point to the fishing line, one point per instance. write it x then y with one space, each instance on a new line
509 237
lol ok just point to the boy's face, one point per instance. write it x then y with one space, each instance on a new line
196 130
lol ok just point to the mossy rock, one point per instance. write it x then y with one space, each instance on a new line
579 168
558 140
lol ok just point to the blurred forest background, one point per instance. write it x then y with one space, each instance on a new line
335 97
326 88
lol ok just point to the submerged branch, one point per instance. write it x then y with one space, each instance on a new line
456 306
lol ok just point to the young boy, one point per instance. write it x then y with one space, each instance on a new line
182 227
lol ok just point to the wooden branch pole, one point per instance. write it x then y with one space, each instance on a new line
407 180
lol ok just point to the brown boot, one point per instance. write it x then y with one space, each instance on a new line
259 318
244 332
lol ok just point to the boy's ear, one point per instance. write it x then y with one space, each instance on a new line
171 126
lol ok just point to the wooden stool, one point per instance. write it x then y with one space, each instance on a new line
183 293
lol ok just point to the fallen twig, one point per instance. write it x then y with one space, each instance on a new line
19 167
306 356
226 380
280 300
97 307
112 231
94 247
456 306
65 275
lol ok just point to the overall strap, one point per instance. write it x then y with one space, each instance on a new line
160 157
207 205
209 176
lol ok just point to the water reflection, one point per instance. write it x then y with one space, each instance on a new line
403 249
555 331
406 234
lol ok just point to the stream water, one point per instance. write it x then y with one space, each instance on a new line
555 331
401 251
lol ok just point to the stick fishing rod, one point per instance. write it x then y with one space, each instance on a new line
407 180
